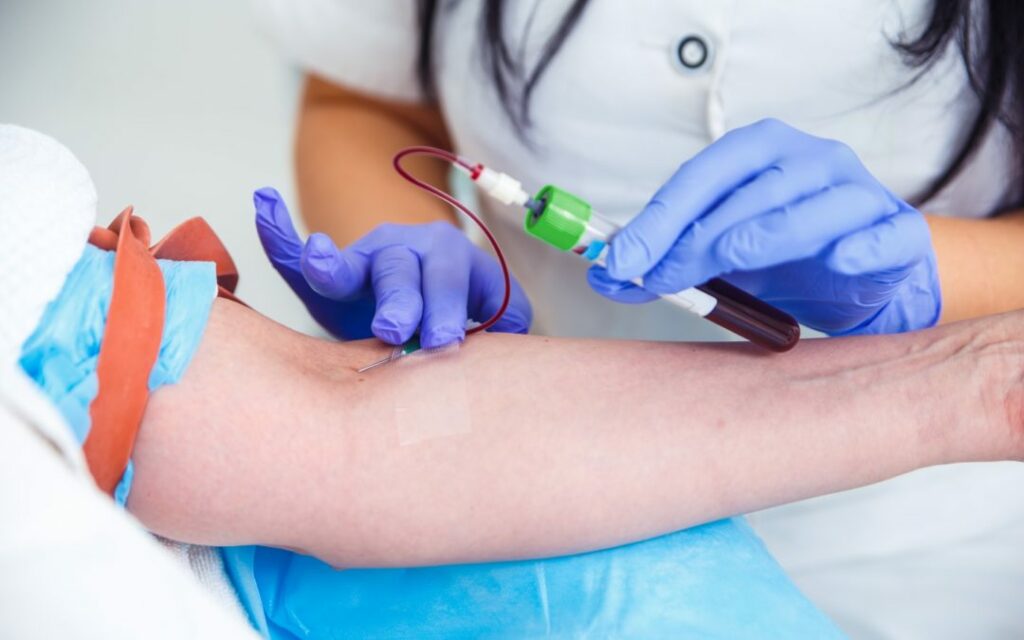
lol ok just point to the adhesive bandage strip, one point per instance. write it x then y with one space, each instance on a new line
425 410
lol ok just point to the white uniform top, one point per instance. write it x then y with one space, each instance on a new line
613 116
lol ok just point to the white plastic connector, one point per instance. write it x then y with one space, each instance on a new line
502 187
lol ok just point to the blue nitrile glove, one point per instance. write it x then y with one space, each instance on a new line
428 277
793 219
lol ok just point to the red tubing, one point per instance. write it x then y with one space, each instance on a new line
474 171
736 310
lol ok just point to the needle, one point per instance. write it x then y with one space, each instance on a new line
411 346
375 364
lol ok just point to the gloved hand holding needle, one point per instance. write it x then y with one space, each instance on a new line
394 281
791 218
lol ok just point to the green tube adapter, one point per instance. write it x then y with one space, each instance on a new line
557 217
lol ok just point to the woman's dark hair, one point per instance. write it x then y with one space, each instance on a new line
990 40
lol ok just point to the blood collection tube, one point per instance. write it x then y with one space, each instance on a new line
568 223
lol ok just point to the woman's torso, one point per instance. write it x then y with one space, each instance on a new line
612 118
932 554
616 112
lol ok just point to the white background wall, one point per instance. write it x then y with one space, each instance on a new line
180 107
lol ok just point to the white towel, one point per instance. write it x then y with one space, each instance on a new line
47 208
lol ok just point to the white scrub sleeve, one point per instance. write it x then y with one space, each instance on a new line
367 46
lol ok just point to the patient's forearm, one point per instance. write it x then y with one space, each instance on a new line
561 445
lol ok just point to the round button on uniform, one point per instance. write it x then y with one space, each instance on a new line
692 52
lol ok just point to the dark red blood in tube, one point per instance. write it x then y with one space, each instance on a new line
750 317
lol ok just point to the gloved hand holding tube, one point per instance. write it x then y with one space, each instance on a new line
393 282
793 219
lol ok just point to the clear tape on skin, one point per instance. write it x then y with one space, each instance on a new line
423 410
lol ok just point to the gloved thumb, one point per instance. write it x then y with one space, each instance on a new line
618 290
280 241
334 273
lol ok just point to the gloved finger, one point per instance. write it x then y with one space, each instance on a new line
395 275
517 317
695 188
414 236
487 291
893 243
617 290
280 241
445 287
798 231
337 274
780 185
803 229
824 164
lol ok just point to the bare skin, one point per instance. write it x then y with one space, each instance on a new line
346 139
980 263
343 155
273 438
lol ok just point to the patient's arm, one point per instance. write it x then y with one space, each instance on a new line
558 445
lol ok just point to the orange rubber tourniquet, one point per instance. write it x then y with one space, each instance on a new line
135 321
